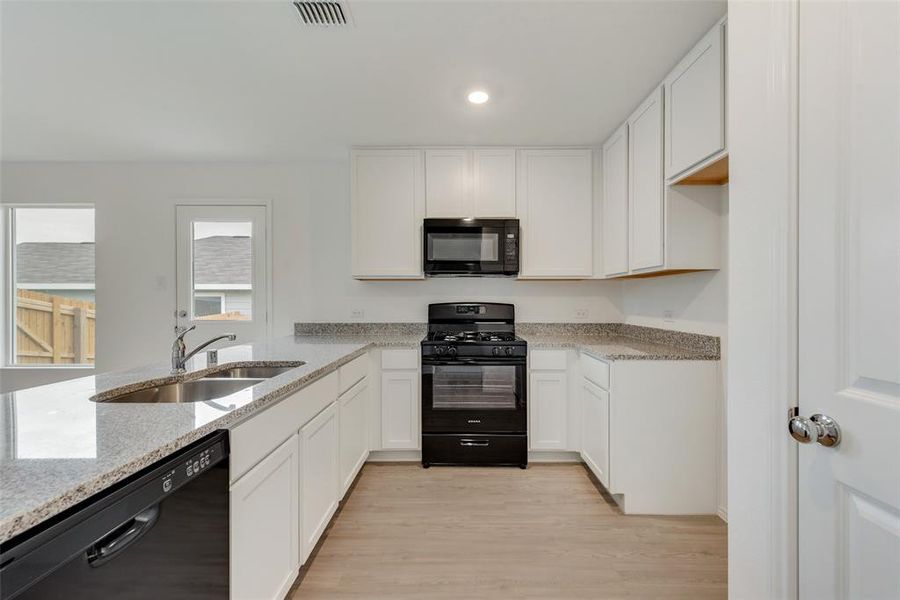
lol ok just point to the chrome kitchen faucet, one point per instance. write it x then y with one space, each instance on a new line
179 349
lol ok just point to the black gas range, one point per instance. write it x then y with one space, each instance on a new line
474 408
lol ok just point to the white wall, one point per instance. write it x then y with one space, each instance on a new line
695 302
311 252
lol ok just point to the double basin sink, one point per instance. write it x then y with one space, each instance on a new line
217 384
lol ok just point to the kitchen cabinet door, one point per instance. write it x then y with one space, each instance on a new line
614 205
448 183
554 203
400 410
645 185
548 410
264 526
595 430
387 208
319 474
695 104
494 182
354 432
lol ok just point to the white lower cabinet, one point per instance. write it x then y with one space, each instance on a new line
354 428
400 380
264 526
548 410
595 430
319 473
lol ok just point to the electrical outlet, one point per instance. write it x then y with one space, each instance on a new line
581 313
357 313
669 315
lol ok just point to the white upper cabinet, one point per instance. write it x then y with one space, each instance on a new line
614 204
470 182
448 183
695 105
554 206
387 208
646 185
494 182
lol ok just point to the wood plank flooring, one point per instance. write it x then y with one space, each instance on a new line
546 532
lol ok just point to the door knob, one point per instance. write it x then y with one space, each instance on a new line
817 428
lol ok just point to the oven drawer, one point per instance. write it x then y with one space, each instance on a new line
475 449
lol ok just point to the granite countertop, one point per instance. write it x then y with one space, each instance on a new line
616 347
57 447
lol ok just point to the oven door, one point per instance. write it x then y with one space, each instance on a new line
460 396
464 250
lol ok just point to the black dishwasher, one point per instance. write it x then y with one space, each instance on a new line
162 533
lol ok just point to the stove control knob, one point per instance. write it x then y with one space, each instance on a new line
451 350
509 350
440 349
495 351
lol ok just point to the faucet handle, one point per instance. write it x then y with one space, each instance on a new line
184 331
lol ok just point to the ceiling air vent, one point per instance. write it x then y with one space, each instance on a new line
323 14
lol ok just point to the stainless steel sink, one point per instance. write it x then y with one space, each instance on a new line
261 372
197 390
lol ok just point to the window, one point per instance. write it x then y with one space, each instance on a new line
222 270
52 286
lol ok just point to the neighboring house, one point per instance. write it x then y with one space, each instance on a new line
222 272
56 268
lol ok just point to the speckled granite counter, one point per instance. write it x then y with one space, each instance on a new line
57 447
616 341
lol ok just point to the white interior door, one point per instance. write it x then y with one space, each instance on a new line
221 271
849 298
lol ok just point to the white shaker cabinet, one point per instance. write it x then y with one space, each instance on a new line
448 183
595 430
264 526
548 400
646 185
400 382
319 473
554 204
494 182
614 204
695 105
470 182
354 432
387 208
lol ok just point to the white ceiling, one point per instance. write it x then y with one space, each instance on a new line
246 81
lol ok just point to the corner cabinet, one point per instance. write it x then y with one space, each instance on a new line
264 512
695 106
387 203
614 204
554 204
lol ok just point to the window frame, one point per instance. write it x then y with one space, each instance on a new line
8 302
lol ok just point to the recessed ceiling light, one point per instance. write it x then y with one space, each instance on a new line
478 97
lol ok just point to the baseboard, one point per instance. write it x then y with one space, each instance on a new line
553 456
395 456
723 513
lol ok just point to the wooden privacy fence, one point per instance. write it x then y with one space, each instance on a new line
54 329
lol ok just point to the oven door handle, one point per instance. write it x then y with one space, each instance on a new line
482 362
479 443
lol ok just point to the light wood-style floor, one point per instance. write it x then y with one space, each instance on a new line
470 533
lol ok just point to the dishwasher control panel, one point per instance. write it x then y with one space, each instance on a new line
191 466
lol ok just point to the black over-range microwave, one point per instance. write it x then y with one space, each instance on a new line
471 247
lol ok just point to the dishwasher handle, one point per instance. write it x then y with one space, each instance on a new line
108 547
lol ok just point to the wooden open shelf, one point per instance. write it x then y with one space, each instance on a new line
715 173
660 273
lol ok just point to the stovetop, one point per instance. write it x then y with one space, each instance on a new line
472 337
